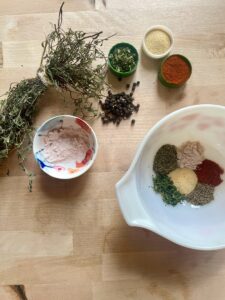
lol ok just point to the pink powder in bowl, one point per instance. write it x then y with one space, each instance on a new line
66 144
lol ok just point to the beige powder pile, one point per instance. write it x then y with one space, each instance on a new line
157 41
190 154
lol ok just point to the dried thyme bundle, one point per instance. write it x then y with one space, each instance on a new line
72 62
16 114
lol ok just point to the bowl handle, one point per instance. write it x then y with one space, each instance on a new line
130 203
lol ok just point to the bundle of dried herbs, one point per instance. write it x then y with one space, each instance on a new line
73 62
120 106
17 112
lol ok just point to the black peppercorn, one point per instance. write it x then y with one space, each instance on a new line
119 106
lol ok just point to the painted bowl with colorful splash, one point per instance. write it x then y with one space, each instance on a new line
48 155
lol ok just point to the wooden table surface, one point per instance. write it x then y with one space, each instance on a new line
68 240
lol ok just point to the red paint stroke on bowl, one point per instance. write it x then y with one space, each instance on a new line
83 125
85 160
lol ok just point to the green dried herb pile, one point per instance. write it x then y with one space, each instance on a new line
165 161
164 186
17 112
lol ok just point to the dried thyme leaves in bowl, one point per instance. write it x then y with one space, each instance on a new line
123 60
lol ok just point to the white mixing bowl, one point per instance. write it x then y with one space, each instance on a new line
200 228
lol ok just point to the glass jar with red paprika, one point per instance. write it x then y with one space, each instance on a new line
174 71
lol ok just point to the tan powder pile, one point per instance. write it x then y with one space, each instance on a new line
185 180
190 154
157 41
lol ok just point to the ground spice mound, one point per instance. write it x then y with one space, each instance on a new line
190 154
202 194
157 41
175 70
185 180
165 159
65 144
209 172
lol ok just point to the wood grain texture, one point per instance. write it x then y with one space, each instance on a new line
68 240
42 6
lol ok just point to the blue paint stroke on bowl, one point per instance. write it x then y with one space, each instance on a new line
42 164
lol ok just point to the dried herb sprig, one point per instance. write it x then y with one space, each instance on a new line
16 114
73 62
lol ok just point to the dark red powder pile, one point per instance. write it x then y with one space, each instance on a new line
209 172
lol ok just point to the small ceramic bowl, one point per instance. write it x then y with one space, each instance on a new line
133 50
153 55
201 227
170 84
64 169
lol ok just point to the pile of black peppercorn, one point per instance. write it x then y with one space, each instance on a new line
118 107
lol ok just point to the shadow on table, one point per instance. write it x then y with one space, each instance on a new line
149 63
140 253
118 84
63 190
171 95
